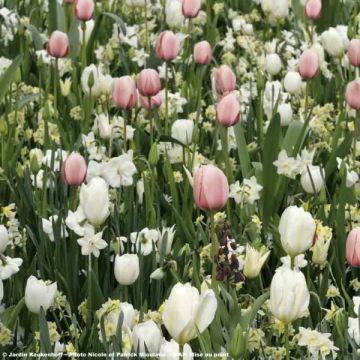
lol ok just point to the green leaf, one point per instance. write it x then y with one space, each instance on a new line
249 317
242 150
36 37
11 314
118 20
45 344
9 76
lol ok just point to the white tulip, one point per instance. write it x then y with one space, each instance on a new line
292 82
88 30
157 274
182 131
276 8
4 238
354 330
289 295
170 350
273 64
149 334
94 201
351 178
186 310
312 179
126 268
286 114
297 229
39 294
332 42
173 12
254 261
88 72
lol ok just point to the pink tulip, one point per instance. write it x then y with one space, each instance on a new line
149 83
202 53
353 247
309 64
313 9
124 93
353 94
167 46
58 44
84 9
154 101
210 188
225 80
228 110
74 169
191 8
354 52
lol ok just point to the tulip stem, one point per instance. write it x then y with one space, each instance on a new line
146 30
83 48
166 98
151 123
89 294
225 150
125 133
287 341
214 249
355 134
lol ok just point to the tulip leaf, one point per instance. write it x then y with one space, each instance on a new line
9 76
11 314
36 37
244 157
45 344
248 318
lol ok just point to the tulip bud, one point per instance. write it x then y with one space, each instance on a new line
309 64
238 343
146 337
228 110
353 247
84 9
254 261
191 8
202 53
312 179
292 82
313 9
157 274
273 64
39 294
94 201
225 80
182 130
58 45
354 52
169 350
353 94
36 158
210 188
296 228
148 104
4 238
126 268
149 83
199 312
289 295
153 154
124 93
74 169
167 46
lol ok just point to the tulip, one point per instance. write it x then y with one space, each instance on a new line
147 335
312 179
286 114
126 268
353 247
334 42
124 93
191 8
84 9
39 294
297 229
254 261
94 201
4 238
74 169
313 9
182 130
90 81
273 64
292 82
167 46
173 13
210 188
276 8
228 110
186 312
149 83
202 53
169 350
112 316
353 94
354 52
154 101
289 295
225 80
58 45
309 64
320 249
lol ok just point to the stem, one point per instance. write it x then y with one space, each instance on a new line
225 150
89 293
355 134
125 133
146 30
166 98
151 122
306 99
287 341
214 249
56 73
83 49
292 262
